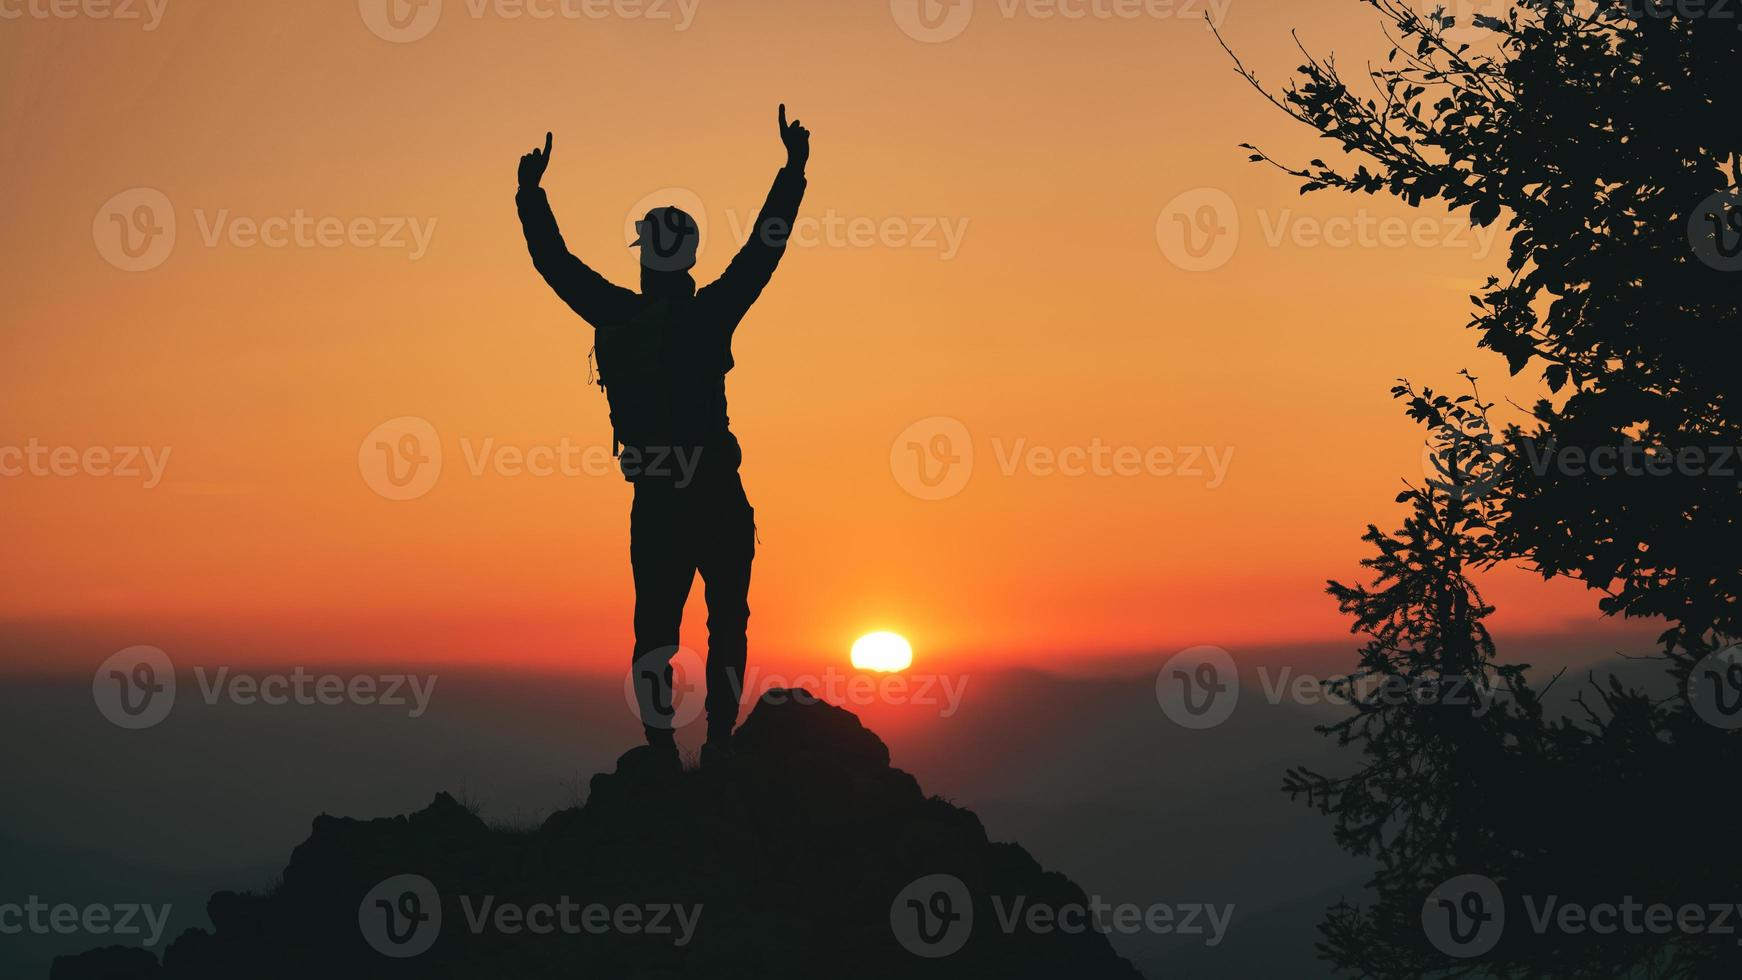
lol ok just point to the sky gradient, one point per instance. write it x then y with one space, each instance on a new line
994 234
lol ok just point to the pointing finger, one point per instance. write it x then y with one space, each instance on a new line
547 142
783 115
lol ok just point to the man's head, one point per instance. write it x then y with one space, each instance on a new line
668 239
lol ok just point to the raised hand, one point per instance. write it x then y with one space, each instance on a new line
532 165
797 140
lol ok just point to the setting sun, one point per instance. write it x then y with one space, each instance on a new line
882 651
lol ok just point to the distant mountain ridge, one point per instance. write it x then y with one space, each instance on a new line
807 856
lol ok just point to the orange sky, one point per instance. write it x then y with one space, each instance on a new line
1051 148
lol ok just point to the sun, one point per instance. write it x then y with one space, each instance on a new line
882 651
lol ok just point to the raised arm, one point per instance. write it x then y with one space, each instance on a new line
596 299
755 262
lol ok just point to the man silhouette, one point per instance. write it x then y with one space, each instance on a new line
663 355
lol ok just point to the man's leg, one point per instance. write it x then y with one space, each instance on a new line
661 557
725 568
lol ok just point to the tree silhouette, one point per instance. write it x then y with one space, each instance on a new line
1604 131
1438 723
1607 131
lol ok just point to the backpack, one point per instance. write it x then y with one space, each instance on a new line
628 363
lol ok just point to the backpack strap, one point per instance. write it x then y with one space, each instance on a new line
594 376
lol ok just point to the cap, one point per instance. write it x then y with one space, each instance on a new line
669 239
